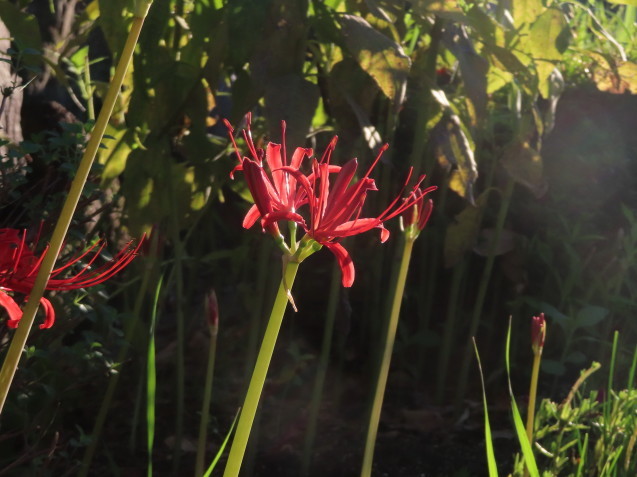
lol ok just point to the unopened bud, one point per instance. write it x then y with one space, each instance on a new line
212 310
538 333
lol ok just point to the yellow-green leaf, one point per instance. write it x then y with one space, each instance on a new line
545 46
381 58
524 165
462 233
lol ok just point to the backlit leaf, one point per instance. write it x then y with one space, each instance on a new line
524 164
453 148
383 59
461 235
525 12
545 45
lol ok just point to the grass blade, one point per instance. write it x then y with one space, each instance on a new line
223 447
493 468
151 382
527 451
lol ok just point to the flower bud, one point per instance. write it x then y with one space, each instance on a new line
212 310
538 333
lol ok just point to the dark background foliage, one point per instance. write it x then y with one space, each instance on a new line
522 113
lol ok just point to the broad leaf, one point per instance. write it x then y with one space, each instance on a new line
453 149
461 235
22 26
292 99
524 164
525 12
383 59
546 46
591 315
473 67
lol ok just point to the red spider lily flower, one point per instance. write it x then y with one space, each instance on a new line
19 266
276 192
418 214
335 211
538 333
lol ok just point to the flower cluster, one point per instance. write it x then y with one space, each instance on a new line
19 265
333 200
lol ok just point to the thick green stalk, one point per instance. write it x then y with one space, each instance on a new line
20 337
205 408
257 382
321 372
381 383
482 290
530 414
258 302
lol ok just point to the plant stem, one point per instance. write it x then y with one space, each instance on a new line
255 388
205 408
321 372
181 337
383 373
444 354
129 332
482 290
530 414
20 337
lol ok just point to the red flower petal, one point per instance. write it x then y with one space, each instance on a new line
49 317
251 217
344 261
14 311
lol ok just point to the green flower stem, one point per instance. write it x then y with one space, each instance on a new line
20 337
129 332
321 372
381 383
530 413
249 410
205 409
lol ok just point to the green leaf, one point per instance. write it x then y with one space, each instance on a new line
632 3
553 367
23 28
488 439
461 235
545 45
115 155
113 22
294 100
591 315
447 9
453 148
381 58
473 67
222 448
527 451
525 12
524 165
